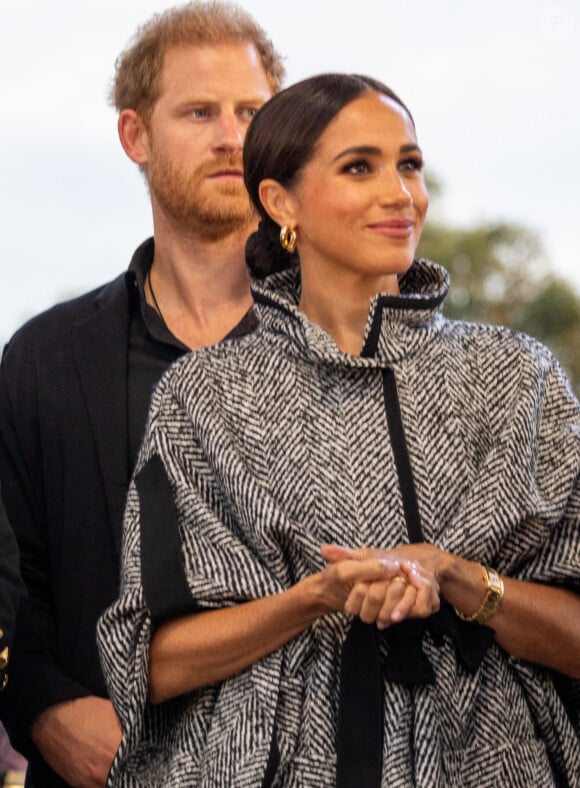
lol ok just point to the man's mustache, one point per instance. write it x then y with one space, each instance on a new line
222 162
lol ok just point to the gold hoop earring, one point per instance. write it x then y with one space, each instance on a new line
288 239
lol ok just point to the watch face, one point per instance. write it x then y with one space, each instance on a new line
494 581
494 595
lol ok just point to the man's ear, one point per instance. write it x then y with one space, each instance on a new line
133 136
278 203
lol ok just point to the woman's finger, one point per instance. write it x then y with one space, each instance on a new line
418 575
352 572
404 607
374 599
355 600
334 552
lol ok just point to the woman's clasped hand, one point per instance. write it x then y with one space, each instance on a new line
379 587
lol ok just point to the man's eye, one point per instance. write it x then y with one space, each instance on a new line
199 113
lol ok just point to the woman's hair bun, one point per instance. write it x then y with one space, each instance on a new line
264 254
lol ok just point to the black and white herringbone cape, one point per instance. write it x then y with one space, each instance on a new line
278 442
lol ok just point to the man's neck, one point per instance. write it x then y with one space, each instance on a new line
201 287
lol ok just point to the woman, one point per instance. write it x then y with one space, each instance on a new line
431 464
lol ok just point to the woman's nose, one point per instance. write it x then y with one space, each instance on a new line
395 190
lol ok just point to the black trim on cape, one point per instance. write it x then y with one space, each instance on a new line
165 586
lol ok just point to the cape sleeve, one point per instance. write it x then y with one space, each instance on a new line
179 537
554 495
557 492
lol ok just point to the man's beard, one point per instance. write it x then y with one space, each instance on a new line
211 209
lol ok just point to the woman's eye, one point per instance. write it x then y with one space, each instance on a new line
357 167
411 165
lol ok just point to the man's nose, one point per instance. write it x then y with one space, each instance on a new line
229 133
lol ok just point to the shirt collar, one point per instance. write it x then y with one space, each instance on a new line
140 266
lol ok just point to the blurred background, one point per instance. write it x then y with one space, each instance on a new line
493 88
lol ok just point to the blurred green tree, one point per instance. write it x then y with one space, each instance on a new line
500 274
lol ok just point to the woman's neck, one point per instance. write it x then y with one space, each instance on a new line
341 306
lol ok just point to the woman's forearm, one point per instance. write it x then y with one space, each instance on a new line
203 648
535 622
206 647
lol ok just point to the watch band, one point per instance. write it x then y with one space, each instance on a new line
493 597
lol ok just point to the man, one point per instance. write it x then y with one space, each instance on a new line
10 591
75 382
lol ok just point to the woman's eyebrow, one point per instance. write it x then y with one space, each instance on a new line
371 150
411 147
359 150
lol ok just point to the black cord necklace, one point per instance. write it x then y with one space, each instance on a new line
157 307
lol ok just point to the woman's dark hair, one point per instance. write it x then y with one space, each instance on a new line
282 139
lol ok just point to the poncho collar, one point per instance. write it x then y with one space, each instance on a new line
397 326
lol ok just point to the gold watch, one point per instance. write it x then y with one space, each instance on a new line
493 597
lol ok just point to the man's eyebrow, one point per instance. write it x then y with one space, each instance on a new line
207 100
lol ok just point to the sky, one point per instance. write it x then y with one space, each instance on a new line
493 88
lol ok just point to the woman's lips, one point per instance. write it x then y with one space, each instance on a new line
393 228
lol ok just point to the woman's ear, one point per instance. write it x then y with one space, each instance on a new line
133 136
278 203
